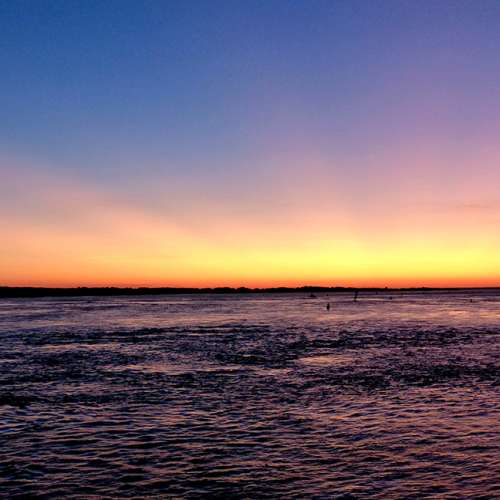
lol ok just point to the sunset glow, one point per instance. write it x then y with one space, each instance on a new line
351 154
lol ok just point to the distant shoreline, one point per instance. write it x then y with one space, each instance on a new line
33 292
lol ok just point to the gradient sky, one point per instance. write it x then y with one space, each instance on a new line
250 143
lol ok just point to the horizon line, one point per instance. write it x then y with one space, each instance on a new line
42 291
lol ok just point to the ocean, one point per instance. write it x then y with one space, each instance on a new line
395 395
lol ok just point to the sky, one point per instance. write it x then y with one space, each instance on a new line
256 143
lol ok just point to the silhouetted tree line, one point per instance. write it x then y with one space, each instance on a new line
18 292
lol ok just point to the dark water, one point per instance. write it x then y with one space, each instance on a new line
253 396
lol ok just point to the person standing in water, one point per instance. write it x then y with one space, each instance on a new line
328 306
356 295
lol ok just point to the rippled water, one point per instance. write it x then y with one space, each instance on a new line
251 396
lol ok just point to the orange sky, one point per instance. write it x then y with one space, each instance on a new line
254 143
60 231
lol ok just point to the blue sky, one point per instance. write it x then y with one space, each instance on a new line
192 109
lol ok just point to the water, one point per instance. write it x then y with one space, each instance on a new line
251 396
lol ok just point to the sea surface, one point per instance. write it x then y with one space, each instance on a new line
396 395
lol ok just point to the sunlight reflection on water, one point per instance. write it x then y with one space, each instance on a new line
253 396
